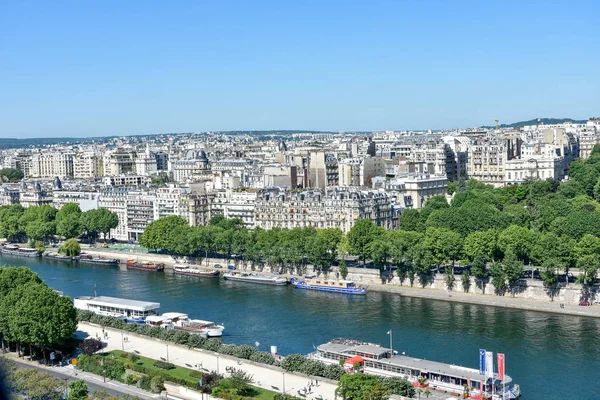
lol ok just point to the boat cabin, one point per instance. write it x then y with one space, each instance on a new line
329 283
116 307
354 364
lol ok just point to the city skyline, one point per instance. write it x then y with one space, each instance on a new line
81 70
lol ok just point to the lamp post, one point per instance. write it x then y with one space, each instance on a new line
284 382
122 342
167 353
391 343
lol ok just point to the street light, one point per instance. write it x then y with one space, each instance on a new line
217 354
167 353
122 342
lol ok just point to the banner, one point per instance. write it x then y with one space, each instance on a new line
489 364
481 362
501 366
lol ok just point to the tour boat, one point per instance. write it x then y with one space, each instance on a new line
145 266
255 278
88 259
370 358
15 250
347 287
134 311
179 269
182 322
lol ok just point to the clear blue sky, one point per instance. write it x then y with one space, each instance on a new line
90 68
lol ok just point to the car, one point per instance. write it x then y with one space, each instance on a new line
584 303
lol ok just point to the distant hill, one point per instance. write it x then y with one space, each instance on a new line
545 121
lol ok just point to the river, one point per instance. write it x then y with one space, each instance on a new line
550 356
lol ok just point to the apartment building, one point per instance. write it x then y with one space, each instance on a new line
360 171
235 204
49 165
488 155
323 170
333 208
114 199
87 165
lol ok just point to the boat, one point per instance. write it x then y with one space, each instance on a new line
58 256
182 322
133 311
370 358
89 259
180 269
325 285
15 250
145 265
255 278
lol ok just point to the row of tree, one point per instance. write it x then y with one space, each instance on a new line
31 313
41 223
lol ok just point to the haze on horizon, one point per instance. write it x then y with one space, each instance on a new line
80 69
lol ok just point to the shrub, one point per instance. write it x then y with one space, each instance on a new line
210 381
399 386
70 248
244 351
228 349
133 357
196 374
131 379
163 365
314 367
294 363
196 341
211 345
334 372
280 396
157 384
144 383
263 358
181 337
90 346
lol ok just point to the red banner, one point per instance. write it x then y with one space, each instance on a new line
501 366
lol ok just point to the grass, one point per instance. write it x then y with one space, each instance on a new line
184 373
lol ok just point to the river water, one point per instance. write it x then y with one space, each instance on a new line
550 356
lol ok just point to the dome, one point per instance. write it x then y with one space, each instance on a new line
23 186
57 183
37 187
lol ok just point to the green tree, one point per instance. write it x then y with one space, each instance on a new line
10 175
481 244
362 234
498 276
434 203
513 270
443 244
410 220
550 276
78 390
70 248
588 265
516 240
10 226
343 269
36 385
361 387
68 222
158 234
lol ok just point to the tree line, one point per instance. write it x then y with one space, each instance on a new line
32 314
42 223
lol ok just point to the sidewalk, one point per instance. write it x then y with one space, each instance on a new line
93 381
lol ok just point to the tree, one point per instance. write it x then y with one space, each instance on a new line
361 387
588 265
10 175
240 381
516 240
360 237
70 248
68 222
399 386
410 220
37 385
78 390
434 203
158 234
513 270
443 244
481 244
498 276
550 276
343 269
91 346
10 226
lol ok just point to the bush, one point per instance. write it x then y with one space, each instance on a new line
211 345
244 351
399 386
334 372
163 365
90 346
144 383
131 379
228 349
70 248
157 384
294 363
196 374
210 381
181 337
280 396
196 341
263 358
133 357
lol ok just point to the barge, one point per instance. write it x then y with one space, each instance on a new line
255 278
180 269
145 266
133 311
370 358
88 259
15 250
324 285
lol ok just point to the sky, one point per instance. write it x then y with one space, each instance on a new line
98 68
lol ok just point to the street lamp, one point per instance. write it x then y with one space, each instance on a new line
122 342
167 353
217 354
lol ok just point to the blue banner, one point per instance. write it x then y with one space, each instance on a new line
481 362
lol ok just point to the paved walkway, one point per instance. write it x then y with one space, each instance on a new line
94 382
266 377
491 300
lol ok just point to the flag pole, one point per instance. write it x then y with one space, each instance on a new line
391 343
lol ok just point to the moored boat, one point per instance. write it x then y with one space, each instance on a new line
180 269
182 322
15 250
325 285
89 259
145 265
58 256
255 278
134 311
373 359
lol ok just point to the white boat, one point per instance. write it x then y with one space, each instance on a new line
373 359
15 250
131 310
182 322
255 278
181 269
